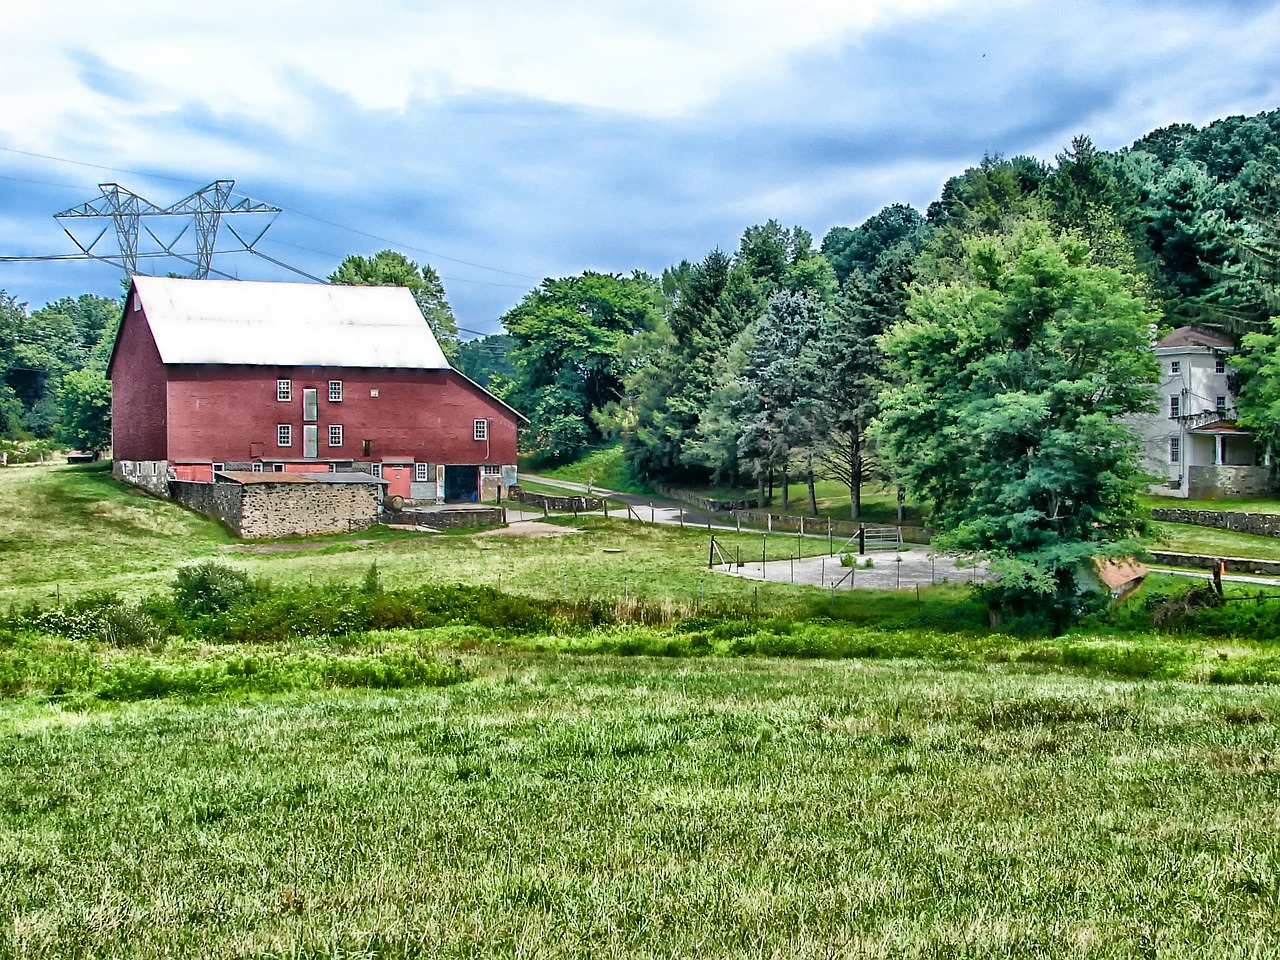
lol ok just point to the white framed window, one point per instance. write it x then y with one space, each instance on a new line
376 470
1175 406
1220 365
335 391
257 468
335 434
420 472
284 435
480 429
219 467
277 468
1221 404
1175 366
1175 450
491 470
284 390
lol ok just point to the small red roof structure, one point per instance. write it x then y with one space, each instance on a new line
1117 577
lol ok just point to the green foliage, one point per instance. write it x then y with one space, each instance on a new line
1008 389
487 360
569 337
210 587
85 399
391 268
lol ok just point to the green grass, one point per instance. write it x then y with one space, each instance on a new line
72 525
1190 538
562 806
605 467
1269 504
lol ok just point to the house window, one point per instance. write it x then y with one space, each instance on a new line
284 390
1220 365
480 429
335 391
1175 406
284 435
491 470
1221 404
335 434
310 405
310 441
420 472
1175 450
257 468
1175 366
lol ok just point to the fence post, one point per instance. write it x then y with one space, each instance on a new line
605 505
651 514
862 538
682 518
830 547
764 545
711 553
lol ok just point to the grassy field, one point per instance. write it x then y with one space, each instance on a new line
587 807
1189 538
796 775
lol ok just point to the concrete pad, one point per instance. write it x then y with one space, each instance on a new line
890 570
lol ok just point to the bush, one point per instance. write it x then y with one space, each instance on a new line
209 588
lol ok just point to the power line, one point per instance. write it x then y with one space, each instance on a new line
300 213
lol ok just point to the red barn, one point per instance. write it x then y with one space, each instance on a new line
211 375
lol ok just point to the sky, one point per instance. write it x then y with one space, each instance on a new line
503 141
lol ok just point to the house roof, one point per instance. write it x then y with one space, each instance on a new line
1195 337
1227 427
1117 573
286 324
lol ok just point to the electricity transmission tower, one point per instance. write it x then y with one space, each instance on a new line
185 232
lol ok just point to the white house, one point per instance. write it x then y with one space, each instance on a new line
1192 444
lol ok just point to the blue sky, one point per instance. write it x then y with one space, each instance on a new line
505 141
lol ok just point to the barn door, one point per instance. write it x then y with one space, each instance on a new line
310 441
398 478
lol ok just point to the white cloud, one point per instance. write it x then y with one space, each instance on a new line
121 65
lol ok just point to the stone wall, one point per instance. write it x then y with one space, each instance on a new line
221 501
261 510
448 519
1204 562
1227 482
1258 524
704 503
550 502
151 475
306 509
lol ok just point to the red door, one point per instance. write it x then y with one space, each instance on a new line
397 477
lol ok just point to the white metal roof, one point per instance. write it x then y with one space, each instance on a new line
286 324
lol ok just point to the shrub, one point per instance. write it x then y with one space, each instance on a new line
209 588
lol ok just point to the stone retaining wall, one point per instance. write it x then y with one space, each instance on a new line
1201 562
264 510
580 503
1225 482
1258 524
448 519
704 503
151 475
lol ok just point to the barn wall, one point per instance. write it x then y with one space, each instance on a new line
138 407
306 509
230 413
221 501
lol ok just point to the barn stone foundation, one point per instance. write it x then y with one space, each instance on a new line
286 509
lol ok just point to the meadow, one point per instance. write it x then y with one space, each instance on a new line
392 744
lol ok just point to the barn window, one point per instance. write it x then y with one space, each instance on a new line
366 447
310 441
277 468
257 468
284 390
480 429
335 391
420 472
335 434
310 405
491 470
1175 450
376 470
284 435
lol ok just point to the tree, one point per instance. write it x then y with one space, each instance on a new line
858 248
389 268
85 399
569 340
1009 386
